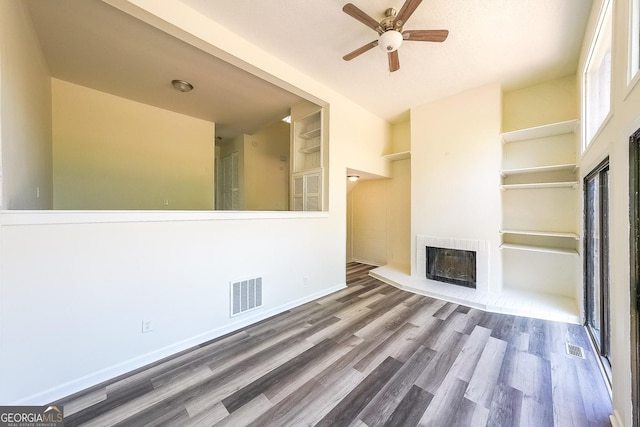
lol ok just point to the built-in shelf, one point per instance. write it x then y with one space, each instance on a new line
540 169
310 134
544 131
544 249
402 155
310 149
534 185
542 233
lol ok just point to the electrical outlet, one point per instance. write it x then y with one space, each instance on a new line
37 192
147 326
305 280
165 202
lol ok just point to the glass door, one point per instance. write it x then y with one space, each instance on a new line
634 261
596 257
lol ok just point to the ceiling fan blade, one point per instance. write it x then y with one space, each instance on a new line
394 61
353 11
360 50
425 35
406 11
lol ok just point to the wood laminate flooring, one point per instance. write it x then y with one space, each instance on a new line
368 355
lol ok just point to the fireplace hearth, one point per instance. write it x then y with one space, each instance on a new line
453 266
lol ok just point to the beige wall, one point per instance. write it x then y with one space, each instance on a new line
455 155
613 141
266 169
113 153
400 137
379 219
399 209
541 104
379 211
370 221
25 109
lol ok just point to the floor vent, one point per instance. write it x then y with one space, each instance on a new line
246 295
574 350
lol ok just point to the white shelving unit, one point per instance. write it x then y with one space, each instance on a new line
534 185
402 155
542 233
540 169
543 249
540 242
307 161
553 129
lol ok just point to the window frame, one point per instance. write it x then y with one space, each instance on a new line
633 68
597 241
603 31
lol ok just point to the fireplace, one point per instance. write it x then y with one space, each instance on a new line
480 247
454 266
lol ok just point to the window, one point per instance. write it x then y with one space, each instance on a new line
634 42
596 97
596 259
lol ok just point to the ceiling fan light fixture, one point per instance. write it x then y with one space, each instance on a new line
390 40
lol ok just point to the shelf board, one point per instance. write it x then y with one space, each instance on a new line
538 169
402 155
543 249
535 185
310 134
542 233
311 149
552 129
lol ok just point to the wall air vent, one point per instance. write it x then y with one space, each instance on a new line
245 295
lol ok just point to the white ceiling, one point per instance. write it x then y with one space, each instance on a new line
515 42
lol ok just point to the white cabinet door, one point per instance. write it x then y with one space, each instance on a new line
306 191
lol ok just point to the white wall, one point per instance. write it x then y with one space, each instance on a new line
75 319
113 153
25 107
455 159
90 278
613 141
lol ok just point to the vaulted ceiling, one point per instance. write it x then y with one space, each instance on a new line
514 42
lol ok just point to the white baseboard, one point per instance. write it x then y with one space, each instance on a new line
362 261
94 378
615 420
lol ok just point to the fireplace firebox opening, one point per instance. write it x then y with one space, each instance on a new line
453 266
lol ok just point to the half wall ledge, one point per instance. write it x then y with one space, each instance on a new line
521 303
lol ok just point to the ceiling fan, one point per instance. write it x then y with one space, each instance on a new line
390 31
